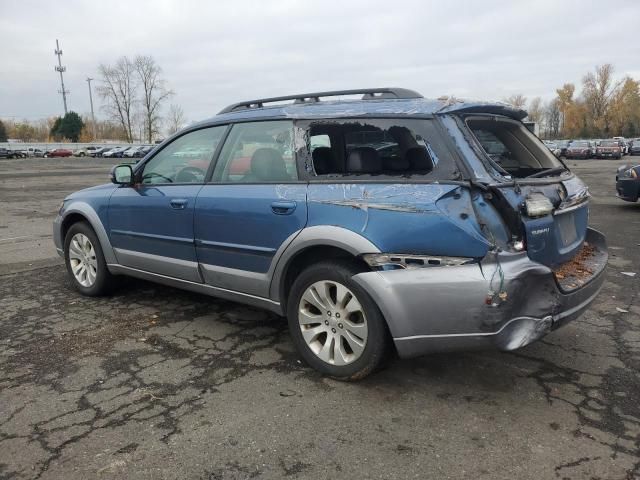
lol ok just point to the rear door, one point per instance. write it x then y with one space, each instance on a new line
151 223
252 207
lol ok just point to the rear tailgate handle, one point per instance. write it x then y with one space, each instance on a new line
283 207
178 203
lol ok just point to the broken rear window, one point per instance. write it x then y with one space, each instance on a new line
511 149
378 148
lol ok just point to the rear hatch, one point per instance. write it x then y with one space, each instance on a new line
545 206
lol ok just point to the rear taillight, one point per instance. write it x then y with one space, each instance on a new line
537 205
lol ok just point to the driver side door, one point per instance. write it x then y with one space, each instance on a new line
151 223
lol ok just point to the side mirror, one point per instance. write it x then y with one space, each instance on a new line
122 175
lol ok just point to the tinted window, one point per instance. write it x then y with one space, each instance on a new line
259 152
186 159
378 147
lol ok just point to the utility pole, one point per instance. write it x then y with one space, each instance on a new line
60 68
93 117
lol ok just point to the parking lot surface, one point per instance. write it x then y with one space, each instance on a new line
154 382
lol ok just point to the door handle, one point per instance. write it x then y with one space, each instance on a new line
283 207
178 203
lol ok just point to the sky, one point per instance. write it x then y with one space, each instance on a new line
214 53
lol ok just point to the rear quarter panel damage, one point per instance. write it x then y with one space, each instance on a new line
434 219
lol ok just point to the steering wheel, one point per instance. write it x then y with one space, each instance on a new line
151 175
190 175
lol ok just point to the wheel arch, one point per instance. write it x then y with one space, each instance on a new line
83 212
311 245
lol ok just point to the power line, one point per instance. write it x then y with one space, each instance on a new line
60 68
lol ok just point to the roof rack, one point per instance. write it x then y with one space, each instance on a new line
367 94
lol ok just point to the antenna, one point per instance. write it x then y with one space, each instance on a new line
61 69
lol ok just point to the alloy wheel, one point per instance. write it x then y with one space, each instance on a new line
82 259
333 322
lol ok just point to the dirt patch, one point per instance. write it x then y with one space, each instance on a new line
580 269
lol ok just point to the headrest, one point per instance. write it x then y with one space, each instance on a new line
364 160
267 164
323 160
419 159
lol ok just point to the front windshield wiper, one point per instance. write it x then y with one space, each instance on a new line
548 172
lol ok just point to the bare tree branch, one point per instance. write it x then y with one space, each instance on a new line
175 119
118 90
154 93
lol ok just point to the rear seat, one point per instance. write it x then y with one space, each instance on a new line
364 160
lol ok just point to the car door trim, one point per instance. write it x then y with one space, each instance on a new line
168 266
203 288
234 246
129 233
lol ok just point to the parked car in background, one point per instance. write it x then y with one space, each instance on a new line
114 152
86 151
143 151
59 152
99 151
32 152
624 146
8 153
553 147
132 152
609 149
628 183
563 145
634 149
580 149
450 240
121 152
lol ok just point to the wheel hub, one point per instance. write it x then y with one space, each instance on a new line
332 322
82 260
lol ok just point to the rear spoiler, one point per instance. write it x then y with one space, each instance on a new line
489 108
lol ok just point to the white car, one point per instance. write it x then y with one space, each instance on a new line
113 152
131 152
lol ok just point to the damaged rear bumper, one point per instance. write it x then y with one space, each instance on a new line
445 308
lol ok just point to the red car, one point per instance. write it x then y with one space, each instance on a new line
59 152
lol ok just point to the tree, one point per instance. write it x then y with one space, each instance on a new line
552 118
119 92
154 93
624 109
175 119
535 112
597 90
55 129
3 132
70 127
517 100
24 131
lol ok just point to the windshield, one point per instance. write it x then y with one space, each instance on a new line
511 148
580 144
609 144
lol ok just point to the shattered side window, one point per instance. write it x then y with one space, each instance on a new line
379 148
511 148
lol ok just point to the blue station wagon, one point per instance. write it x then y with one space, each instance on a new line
385 223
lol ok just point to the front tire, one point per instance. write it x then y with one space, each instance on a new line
85 261
335 325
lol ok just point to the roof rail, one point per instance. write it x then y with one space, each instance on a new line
367 94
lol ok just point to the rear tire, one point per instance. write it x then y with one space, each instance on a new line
335 325
85 261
